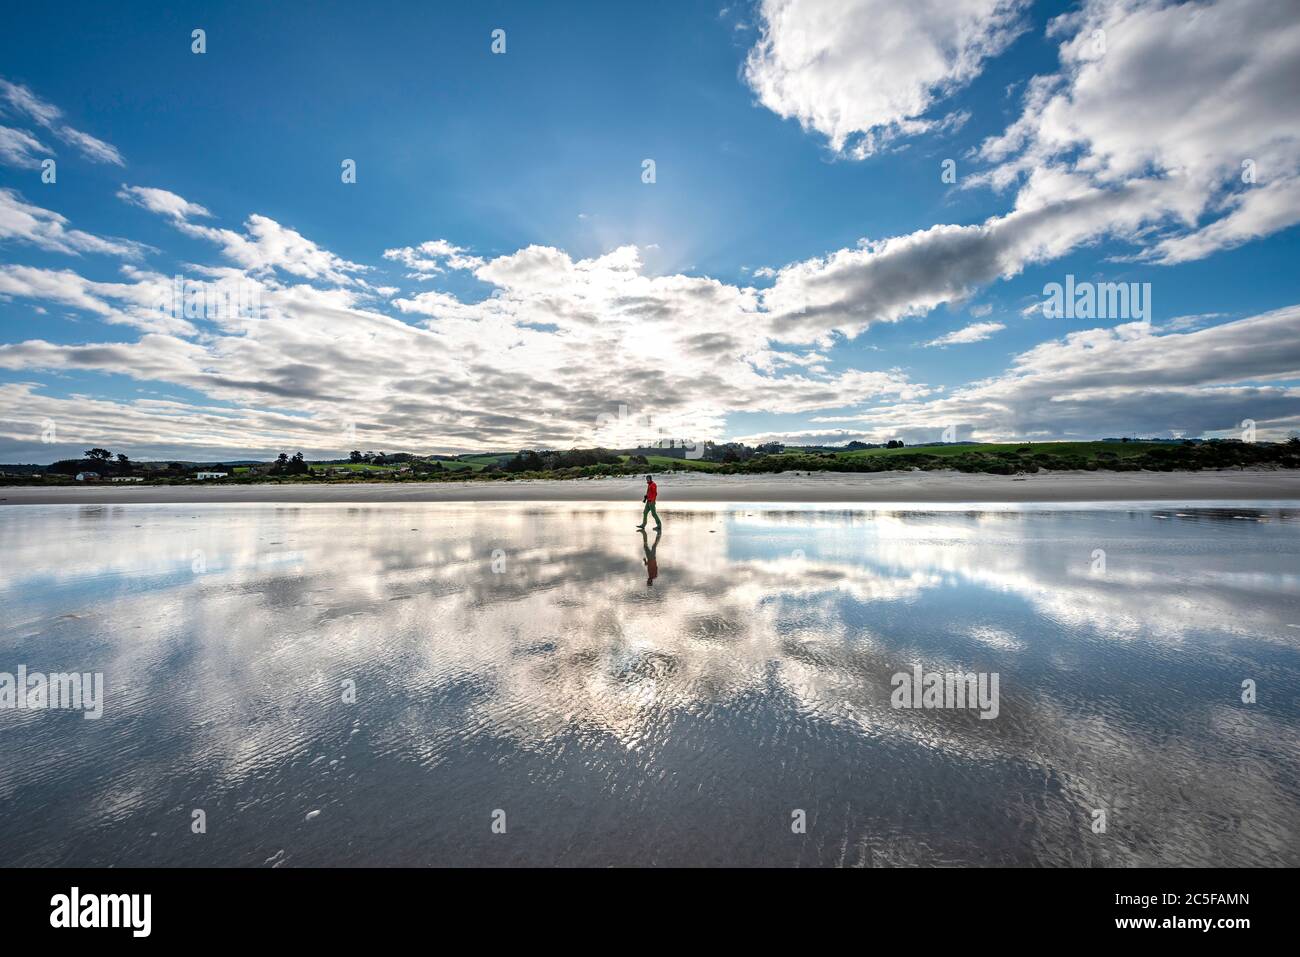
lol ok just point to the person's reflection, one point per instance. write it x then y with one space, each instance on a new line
651 565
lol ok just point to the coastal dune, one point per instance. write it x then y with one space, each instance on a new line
877 487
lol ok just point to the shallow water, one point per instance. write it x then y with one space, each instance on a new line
514 658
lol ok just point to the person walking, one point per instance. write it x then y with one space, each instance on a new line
651 493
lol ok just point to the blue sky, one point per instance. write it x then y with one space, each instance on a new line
792 272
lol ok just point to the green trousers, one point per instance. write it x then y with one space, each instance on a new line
650 510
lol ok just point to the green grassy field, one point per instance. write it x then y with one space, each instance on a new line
1087 449
477 462
352 467
665 462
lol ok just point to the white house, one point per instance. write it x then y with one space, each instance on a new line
126 478
210 475
87 476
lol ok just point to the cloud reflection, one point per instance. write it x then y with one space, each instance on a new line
753 673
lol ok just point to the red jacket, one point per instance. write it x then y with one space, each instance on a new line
651 492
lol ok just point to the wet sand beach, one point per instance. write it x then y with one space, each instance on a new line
818 487
368 684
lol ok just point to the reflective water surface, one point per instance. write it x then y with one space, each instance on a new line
623 701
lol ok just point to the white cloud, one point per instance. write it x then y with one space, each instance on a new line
24 222
1130 378
1198 95
564 343
264 248
134 303
161 201
975 332
19 148
431 258
549 359
1184 323
1123 146
267 246
90 147
863 72
23 102
892 279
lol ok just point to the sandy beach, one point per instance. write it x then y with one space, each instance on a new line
880 487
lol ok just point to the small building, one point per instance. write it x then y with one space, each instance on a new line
210 475
126 478
87 476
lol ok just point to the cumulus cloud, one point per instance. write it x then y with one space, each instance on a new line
1131 378
264 247
864 72
1200 95
565 352
267 246
891 279
429 259
1123 144
570 351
